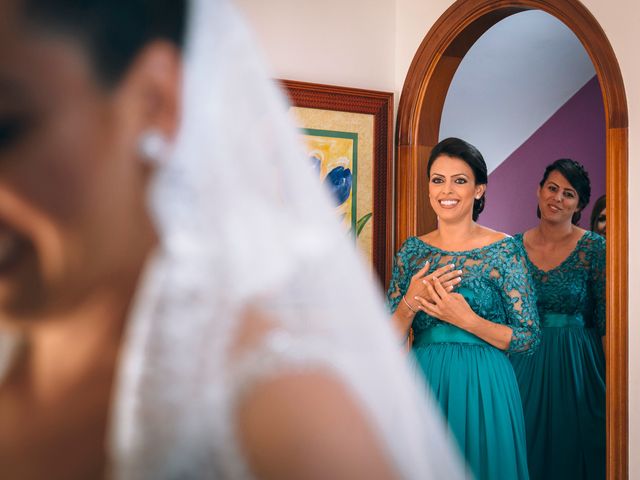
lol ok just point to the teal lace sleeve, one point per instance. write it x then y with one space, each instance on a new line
400 279
598 283
520 302
495 283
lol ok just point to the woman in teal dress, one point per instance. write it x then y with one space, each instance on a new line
464 291
563 383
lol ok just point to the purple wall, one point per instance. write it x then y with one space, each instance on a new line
577 131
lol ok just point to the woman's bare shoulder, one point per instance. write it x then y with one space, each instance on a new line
490 235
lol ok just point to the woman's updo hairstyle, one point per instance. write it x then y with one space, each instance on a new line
112 31
457 148
577 176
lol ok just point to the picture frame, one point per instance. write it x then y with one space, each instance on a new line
335 111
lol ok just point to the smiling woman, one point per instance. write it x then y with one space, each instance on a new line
449 192
563 384
464 291
565 188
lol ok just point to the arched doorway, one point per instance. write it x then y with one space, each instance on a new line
418 122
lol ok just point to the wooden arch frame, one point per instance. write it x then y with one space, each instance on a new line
418 124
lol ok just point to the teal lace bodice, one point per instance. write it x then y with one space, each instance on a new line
577 285
495 283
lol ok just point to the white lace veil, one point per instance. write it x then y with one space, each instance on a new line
243 223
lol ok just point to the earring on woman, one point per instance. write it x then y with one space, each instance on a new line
153 147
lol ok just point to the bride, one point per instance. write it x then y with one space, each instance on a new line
176 299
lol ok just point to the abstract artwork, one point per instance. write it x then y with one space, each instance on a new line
346 134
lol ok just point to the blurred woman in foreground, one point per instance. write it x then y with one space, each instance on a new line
176 299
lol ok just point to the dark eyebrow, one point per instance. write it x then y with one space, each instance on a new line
565 189
454 175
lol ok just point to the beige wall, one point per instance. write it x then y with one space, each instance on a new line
620 20
338 42
370 44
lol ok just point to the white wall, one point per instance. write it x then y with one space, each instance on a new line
336 42
370 44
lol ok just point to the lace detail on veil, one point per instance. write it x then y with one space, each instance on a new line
243 223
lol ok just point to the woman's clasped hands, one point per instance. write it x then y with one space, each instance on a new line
434 294
421 284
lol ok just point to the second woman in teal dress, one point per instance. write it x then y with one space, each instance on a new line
563 383
464 291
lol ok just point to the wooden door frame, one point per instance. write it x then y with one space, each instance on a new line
418 124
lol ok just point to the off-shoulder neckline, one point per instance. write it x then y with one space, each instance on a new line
465 252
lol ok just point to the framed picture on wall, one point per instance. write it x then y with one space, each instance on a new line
347 133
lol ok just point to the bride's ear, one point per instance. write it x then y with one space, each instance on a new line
149 94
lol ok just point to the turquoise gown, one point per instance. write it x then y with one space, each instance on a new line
473 381
563 383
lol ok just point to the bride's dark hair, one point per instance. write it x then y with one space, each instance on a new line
112 31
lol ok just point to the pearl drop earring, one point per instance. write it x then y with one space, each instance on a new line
153 146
